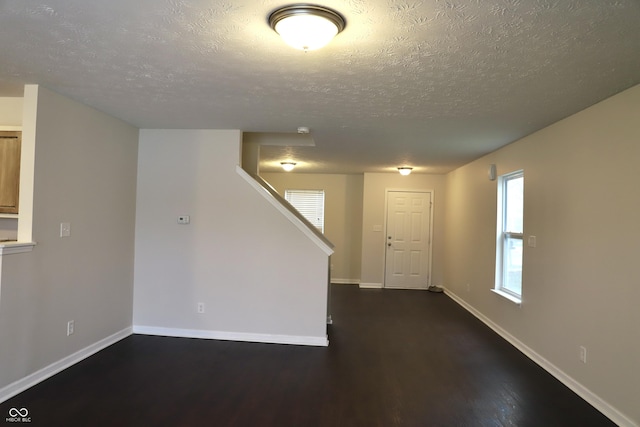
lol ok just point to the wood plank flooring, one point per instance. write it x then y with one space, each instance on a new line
395 358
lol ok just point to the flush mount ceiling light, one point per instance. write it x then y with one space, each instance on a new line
288 166
306 27
405 170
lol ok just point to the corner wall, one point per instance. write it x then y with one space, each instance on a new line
581 283
85 172
259 277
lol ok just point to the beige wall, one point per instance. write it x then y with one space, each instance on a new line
374 212
10 112
85 174
343 216
581 281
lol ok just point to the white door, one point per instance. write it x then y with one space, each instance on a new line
408 240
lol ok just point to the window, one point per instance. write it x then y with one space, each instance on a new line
310 203
510 233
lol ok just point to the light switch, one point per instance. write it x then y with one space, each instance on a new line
65 229
184 219
377 228
532 241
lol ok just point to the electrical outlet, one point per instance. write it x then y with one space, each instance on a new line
583 354
70 327
184 219
200 307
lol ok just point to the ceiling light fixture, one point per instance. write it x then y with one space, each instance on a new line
288 166
404 171
306 27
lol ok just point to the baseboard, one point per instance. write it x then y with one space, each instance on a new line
231 336
345 281
609 411
371 285
30 380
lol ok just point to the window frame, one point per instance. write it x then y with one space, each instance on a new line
504 237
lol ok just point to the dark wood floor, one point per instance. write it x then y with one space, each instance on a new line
396 358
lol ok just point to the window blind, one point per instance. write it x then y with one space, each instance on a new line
310 203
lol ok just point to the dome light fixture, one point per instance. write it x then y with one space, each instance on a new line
305 26
288 166
405 170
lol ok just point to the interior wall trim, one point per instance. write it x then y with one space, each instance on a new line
345 281
596 401
232 336
30 380
9 248
371 285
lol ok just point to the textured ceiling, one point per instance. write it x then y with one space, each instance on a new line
432 84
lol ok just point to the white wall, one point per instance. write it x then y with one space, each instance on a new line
231 255
581 282
343 216
374 212
85 174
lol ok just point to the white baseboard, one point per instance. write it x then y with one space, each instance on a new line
345 281
232 336
609 411
371 285
30 380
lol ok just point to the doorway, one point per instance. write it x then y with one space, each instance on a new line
408 242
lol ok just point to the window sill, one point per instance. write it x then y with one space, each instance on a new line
515 300
8 248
